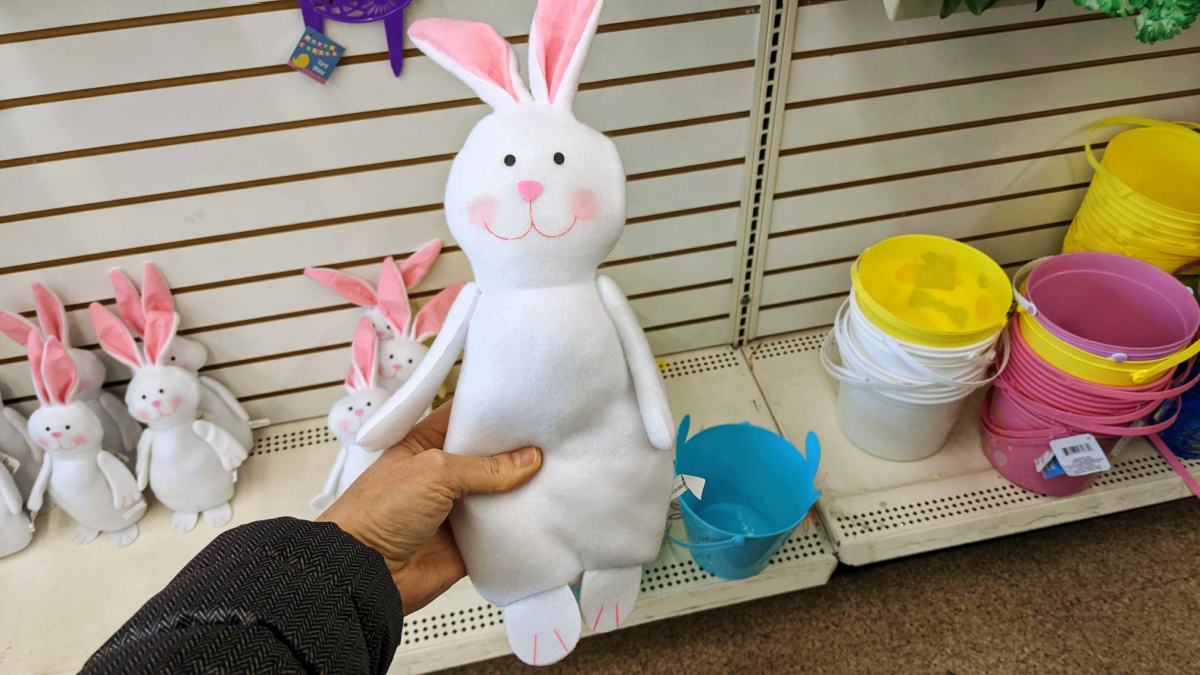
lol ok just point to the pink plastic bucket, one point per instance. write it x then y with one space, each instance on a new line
1113 306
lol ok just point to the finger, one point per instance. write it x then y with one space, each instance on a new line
428 433
488 475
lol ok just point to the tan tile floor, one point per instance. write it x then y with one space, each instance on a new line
1119 594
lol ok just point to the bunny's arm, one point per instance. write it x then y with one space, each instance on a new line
124 487
231 452
116 409
22 426
226 396
388 426
647 381
326 497
145 444
38 492
9 493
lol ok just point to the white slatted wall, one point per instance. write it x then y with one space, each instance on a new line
169 131
970 128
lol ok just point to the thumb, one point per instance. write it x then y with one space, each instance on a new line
489 475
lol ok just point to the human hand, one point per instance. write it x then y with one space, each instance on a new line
399 505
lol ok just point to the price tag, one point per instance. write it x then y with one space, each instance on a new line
10 463
1080 455
684 483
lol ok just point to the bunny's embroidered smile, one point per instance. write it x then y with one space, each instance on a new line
484 211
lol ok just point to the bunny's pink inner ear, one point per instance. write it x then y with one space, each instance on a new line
417 265
558 45
17 327
160 330
349 287
476 54
129 301
393 297
365 352
113 336
431 317
51 314
37 352
156 295
58 372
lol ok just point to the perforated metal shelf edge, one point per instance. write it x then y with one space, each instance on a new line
876 509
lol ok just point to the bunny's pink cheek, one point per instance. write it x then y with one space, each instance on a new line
143 415
176 401
344 425
584 205
482 211
80 440
44 442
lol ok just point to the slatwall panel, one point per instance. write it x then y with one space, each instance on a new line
970 128
168 130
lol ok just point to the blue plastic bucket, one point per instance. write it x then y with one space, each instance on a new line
758 487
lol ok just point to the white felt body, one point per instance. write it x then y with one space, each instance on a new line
13 444
185 473
224 416
15 531
545 367
81 489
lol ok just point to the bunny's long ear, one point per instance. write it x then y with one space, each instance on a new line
362 375
393 297
17 327
51 315
476 54
129 301
58 372
349 287
160 331
156 295
37 352
431 317
114 337
416 266
558 45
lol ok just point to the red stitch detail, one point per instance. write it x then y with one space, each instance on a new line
618 612
598 617
560 640
532 228
535 649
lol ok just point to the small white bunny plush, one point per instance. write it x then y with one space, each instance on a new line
215 399
349 414
554 356
22 459
189 464
16 530
87 482
120 431
412 270
400 354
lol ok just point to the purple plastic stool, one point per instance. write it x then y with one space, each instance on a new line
390 12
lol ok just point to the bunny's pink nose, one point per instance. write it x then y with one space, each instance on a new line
56 434
359 412
529 189
156 403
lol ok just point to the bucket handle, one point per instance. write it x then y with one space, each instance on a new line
1143 376
734 541
1136 121
1169 455
1018 281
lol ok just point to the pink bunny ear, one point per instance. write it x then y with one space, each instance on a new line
51 314
156 295
431 317
349 287
160 331
17 327
476 54
114 337
36 350
129 301
58 372
393 297
362 375
416 266
559 40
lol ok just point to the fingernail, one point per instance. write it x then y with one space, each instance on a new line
524 457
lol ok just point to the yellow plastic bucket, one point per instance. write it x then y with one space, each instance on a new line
1087 366
931 291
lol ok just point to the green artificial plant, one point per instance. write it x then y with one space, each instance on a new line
1155 20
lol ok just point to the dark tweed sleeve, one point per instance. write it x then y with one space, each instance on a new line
276 596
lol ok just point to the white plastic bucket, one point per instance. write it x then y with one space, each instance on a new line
891 429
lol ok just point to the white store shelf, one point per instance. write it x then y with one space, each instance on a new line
876 509
61 602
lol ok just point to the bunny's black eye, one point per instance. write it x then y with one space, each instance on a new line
47 428
509 160
143 397
410 360
172 358
351 408
68 427
558 158
368 404
161 391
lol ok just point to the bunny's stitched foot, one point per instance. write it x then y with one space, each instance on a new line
543 628
84 535
184 521
606 597
125 537
218 516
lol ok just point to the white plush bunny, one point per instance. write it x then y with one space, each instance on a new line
349 414
554 356
120 431
87 481
215 399
22 459
188 463
400 354
412 270
16 530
